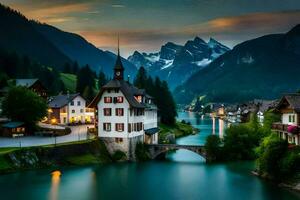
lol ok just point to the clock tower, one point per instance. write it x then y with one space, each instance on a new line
118 69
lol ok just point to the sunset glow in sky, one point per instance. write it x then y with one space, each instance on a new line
146 25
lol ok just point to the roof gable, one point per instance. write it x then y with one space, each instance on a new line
26 82
62 100
128 90
290 101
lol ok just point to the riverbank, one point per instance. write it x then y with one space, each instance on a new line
168 134
50 156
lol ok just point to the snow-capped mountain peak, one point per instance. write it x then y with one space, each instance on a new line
182 61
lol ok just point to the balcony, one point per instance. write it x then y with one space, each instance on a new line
286 128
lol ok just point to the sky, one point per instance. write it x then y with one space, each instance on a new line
145 25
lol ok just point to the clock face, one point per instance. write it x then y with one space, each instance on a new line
118 73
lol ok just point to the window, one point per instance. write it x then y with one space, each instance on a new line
73 111
107 111
119 111
120 99
107 126
129 128
119 127
118 140
81 110
292 118
138 98
107 99
116 90
72 103
65 120
78 103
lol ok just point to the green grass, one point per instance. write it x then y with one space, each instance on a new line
4 163
83 159
69 81
68 143
7 150
179 130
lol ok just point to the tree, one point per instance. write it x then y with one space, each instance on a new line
75 67
68 68
88 93
21 104
102 80
212 147
239 142
270 154
85 78
140 80
161 93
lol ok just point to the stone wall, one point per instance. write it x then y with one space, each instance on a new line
127 146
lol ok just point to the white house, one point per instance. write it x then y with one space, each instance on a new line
126 115
69 109
289 127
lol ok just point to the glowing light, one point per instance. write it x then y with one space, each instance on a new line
55 185
53 121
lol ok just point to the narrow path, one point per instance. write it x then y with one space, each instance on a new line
78 133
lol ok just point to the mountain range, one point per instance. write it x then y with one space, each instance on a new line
265 67
52 46
176 63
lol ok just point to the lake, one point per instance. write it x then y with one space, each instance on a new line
184 175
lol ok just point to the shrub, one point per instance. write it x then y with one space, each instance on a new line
141 152
118 155
213 149
239 142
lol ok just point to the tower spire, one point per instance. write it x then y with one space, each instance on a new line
118 45
118 69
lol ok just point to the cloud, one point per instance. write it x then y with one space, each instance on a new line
118 6
253 23
53 11
230 30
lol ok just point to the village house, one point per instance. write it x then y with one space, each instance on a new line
12 129
288 128
126 115
67 109
33 84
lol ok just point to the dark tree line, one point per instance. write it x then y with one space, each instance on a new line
86 82
14 66
161 93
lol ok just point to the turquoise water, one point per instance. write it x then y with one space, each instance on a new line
182 176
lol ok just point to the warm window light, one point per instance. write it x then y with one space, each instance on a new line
50 110
53 121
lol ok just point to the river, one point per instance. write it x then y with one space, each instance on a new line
184 175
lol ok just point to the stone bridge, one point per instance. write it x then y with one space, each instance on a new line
158 149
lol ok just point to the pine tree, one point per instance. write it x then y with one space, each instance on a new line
102 80
68 68
88 93
140 80
85 77
75 68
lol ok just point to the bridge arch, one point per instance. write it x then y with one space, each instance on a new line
159 149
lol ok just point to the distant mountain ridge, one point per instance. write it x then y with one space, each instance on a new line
52 46
265 67
19 35
176 63
77 48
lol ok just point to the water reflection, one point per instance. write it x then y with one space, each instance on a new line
55 181
221 128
